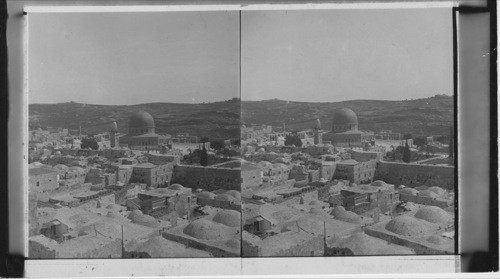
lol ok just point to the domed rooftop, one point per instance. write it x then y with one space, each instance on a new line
234 193
208 230
134 214
230 218
141 119
409 191
438 190
175 187
422 187
427 193
145 220
339 213
344 116
410 226
433 214
206 195
225 197
378 183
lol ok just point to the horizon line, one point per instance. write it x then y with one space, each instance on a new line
222 101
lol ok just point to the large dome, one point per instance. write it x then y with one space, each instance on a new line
141 119
344 116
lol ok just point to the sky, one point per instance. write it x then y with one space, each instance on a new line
194 57
337 55
133 58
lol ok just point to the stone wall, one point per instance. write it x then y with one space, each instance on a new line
362 156
412 175
419 249
443 203
162 159
207 178
219 204
215 251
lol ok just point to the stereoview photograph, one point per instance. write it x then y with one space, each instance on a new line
134 126
241 134
348 117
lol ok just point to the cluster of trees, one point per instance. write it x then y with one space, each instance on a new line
400 153
293 139
89 142
201 156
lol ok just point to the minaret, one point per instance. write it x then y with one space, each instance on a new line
318 133
112 135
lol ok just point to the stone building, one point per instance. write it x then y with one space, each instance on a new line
152 175
42 181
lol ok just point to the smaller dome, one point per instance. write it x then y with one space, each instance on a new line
421 188
206 195
427 193
339 213
225 197
207 230
230 218
219 191
175 187
378 183
438 190
408 191
134 214
234 193
433 214
410 226
145 220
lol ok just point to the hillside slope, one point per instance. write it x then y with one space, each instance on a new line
215 120
427 116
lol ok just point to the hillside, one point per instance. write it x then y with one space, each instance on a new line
215 120
432 115
427 116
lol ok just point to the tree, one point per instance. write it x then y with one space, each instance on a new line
89 143
217 144
227 152
204 139
406 153
204 157
420 141
407 136
236 142
293 140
